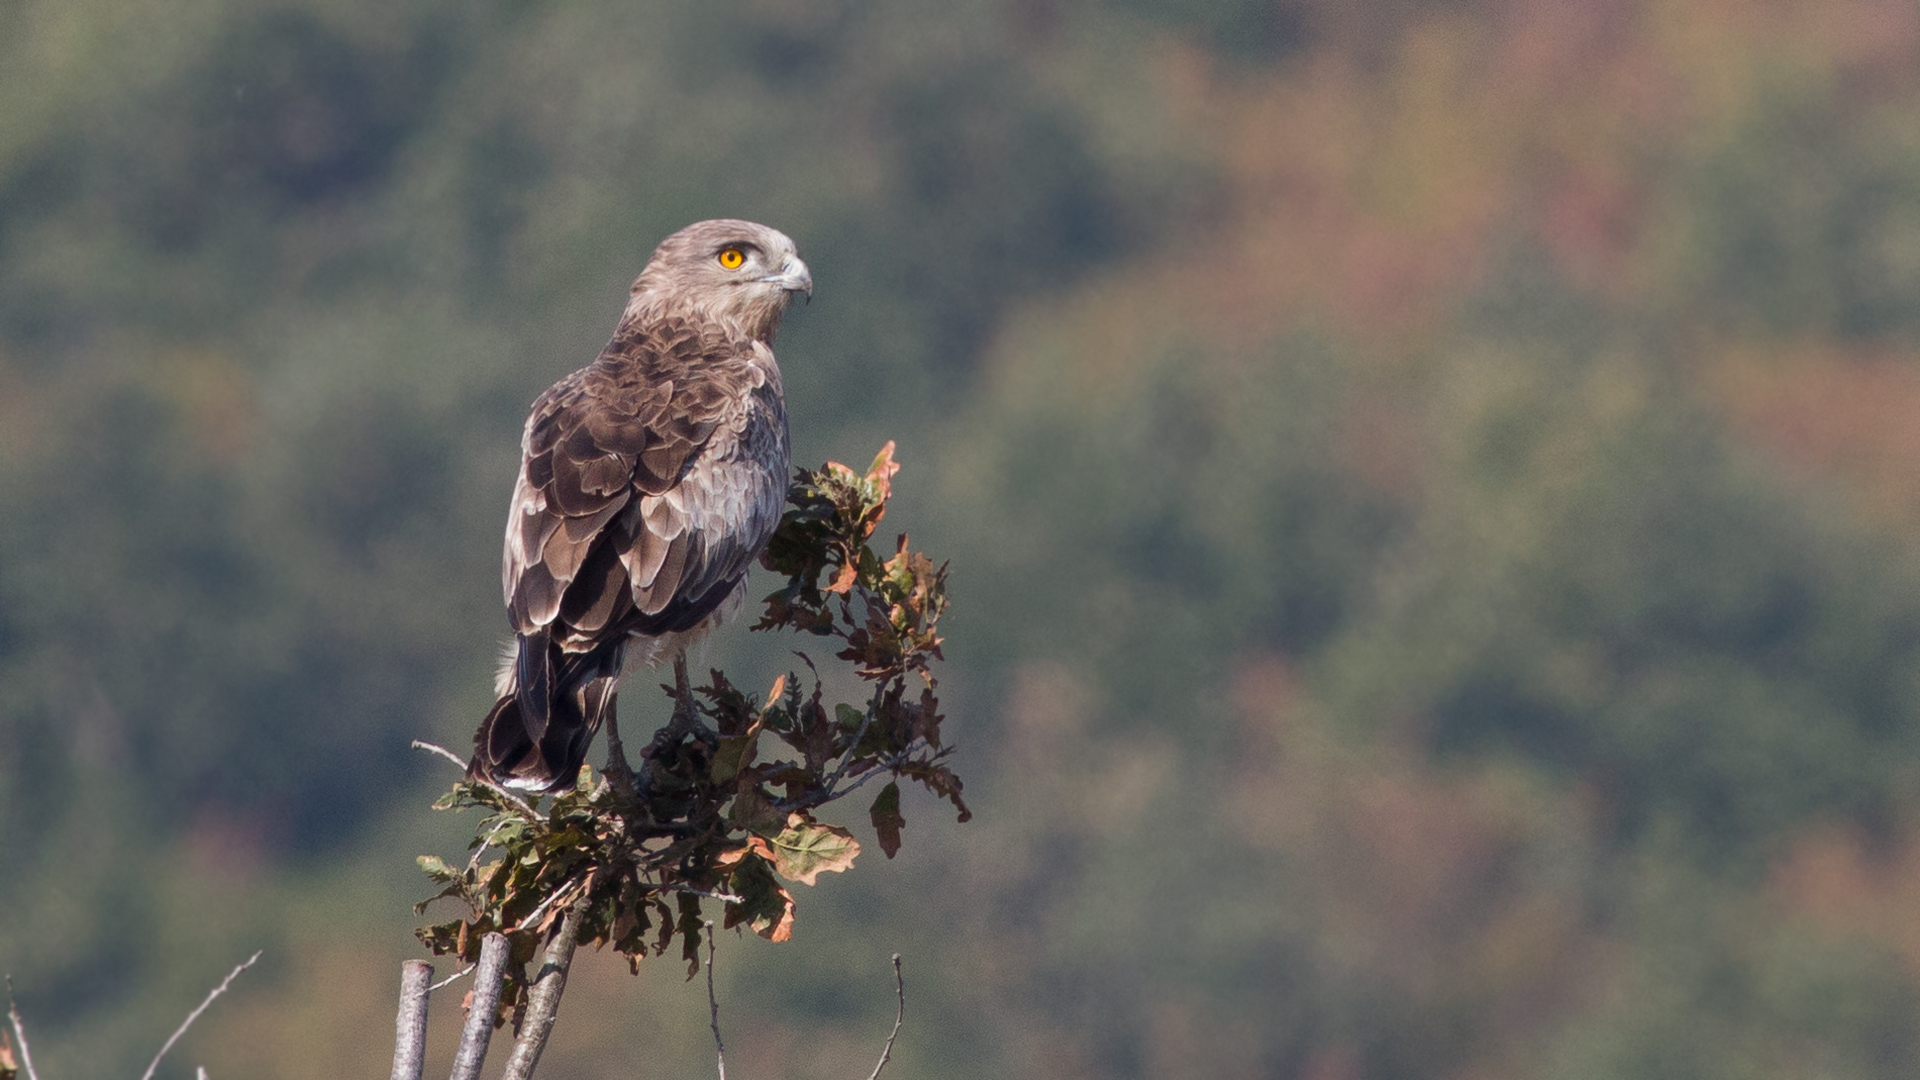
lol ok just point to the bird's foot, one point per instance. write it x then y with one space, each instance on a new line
619 773
686 719
686 723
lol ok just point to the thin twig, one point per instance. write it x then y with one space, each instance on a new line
889 767
827 794
899 989
453 978
508 794
543 1001
885 768
436 748
485 1004
723 897
20 1032
866 721
195 1015
713 1007
410 1027
533 917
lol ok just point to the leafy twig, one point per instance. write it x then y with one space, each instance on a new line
192 1016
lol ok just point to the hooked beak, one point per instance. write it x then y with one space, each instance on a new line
793 278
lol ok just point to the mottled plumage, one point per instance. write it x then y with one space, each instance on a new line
649 482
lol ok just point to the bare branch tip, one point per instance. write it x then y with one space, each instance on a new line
436 748
899 1017
195 1014
20 1032
713 1006
453 978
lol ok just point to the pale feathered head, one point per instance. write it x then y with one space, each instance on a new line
736 272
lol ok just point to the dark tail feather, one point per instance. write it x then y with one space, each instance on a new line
504 753
514 748
533 680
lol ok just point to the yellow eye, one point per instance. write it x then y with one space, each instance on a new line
732 258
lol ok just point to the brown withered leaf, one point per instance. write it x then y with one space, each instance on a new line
843 580
813 732
666 924
764 906
751 811
691 931
628 932
926 718
736 753
732 711
885 815
940 780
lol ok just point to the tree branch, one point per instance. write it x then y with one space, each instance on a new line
532 921
543 1003
410 1029
482 1009
453 978
713 1008
866 721
899 989
195 1015
436 748
20 1032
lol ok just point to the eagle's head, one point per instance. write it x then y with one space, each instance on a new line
737 272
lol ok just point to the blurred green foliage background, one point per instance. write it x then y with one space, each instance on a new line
1431 488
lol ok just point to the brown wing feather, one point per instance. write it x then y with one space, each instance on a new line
635 504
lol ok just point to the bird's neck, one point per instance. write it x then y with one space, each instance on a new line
748 316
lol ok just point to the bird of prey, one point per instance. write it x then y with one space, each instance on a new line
650 481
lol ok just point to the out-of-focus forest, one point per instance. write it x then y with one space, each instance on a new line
1433 489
